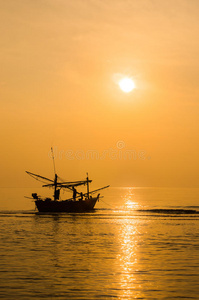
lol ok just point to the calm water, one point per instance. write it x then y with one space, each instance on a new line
137 244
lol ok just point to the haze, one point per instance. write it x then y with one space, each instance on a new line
60 64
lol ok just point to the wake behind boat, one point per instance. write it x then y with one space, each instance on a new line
79 202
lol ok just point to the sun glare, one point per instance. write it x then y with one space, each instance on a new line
126 84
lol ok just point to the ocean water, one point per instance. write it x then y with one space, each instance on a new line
139 243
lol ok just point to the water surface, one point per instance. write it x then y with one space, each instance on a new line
135 245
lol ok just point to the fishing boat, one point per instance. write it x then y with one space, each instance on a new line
79 202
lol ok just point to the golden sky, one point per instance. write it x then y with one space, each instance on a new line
60 63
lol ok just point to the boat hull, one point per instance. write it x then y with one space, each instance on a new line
66 205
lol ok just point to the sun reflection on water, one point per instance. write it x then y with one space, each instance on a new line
127 259
129 200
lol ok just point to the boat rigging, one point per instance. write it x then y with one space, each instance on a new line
80 201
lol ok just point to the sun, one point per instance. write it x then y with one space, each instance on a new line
126 84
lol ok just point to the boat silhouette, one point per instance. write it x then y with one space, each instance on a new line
79 202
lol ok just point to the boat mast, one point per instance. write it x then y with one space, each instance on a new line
55 180
53 159
55 191
87 181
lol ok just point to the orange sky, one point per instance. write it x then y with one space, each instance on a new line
60 61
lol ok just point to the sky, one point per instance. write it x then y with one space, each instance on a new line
60 65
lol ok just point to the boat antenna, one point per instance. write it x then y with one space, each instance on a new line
53 158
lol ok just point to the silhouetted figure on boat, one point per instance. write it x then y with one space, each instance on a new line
81 196
74 193
57 193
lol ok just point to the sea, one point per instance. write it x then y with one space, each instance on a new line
139 243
